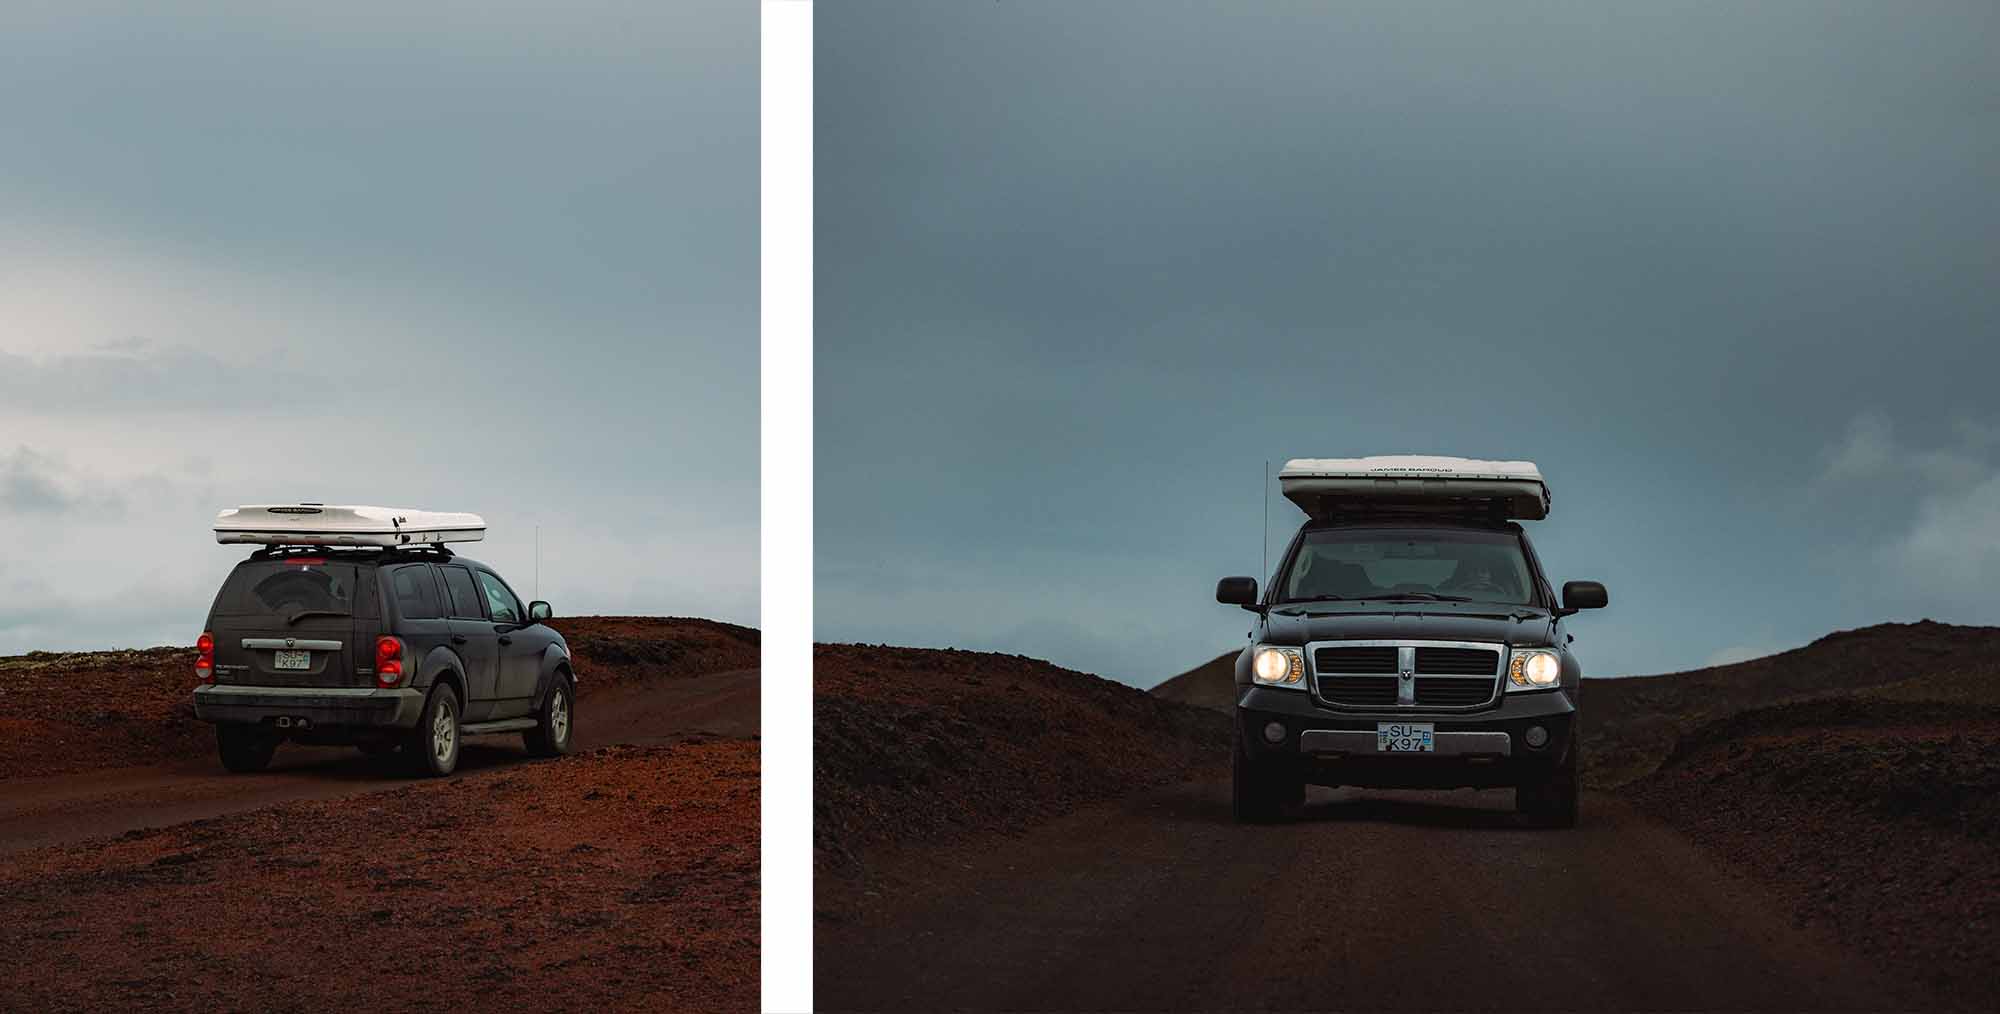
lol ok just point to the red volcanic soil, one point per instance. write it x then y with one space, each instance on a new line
77 711
71 711
918 747
623 879
1211 684
625 649
1874 817
1632 725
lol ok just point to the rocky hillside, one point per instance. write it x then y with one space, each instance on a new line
923 746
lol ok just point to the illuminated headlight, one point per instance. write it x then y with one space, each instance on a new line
1533 668
1278 667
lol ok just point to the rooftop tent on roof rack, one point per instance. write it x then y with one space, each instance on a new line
1412 483
338 525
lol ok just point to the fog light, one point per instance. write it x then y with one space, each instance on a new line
1537 736
1274 732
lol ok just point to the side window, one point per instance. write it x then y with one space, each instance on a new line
464 596
416 592
499 600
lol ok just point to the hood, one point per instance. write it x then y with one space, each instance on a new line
1413 621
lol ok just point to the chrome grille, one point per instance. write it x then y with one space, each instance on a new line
1452 693
1360 691
1377 658
1433 675
1457 661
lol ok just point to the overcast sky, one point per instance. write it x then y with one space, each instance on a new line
1726 271
498 258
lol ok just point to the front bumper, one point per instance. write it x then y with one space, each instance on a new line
1482 749
366 707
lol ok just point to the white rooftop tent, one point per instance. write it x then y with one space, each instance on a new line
313 524
1326 487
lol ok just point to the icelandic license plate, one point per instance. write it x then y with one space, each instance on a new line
293 660
1404 737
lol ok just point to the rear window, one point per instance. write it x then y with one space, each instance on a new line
272 587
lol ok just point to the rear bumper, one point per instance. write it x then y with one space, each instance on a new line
1481 750
321 706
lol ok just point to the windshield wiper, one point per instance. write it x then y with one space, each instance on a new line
1425 596
294 618
1318 598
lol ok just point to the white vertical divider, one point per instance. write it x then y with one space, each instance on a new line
786 517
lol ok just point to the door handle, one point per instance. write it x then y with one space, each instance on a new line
506 640
458 638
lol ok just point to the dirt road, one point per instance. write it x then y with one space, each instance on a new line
1369 901
64 808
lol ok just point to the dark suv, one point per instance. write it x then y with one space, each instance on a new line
1408 651
386 649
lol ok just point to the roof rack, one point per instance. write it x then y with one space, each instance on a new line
301 549
1416 484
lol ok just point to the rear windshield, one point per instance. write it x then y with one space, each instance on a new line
1444 563
288 588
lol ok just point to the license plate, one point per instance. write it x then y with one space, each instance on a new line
293 660
1404 737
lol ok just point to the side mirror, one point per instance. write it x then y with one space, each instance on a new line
1584 595
1236 591
539 612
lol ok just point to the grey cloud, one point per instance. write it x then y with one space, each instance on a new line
130 376
499 258
33 483
35 617
1082 268
1951 551
1871 452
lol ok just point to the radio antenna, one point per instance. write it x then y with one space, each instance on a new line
538 561
1265 572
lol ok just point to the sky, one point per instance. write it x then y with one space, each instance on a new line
495 258
1724 270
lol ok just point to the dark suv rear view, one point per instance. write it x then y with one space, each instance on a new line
392 650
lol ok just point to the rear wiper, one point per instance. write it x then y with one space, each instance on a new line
303 613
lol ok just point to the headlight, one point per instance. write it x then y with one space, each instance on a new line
1534 668
1278 667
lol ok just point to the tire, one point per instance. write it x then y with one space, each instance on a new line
245 748
1552 801
555 725
1259 791
431 749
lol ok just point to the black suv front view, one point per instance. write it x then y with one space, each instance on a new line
402 647
1409 639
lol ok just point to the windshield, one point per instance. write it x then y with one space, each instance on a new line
1424 563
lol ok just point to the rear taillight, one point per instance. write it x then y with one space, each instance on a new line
204 663
388 661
